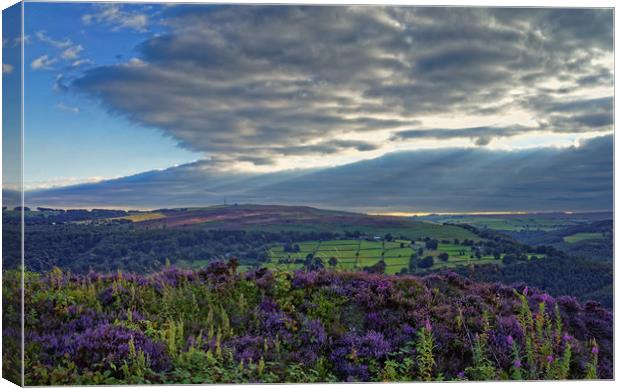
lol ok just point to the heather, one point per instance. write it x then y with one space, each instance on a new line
216 325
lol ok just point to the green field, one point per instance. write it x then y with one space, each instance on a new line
356 254
583 236
518 222
508 223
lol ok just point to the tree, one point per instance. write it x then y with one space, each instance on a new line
388 237
333 262
426 262
413 263
443 256
432 244
376 268
509 259
314 263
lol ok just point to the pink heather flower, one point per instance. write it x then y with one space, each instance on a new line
525 290
509 340
427 325
567 337
550 359
517 364
594 350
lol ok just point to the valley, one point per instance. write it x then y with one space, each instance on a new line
290 238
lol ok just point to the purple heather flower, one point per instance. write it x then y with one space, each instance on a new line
567 337
104 344
375 344
594 350
427 325
525 290
509 340
517 364
408 330
546 298
460 375
550 358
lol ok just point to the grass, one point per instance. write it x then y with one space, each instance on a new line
367 253
582 236
352 254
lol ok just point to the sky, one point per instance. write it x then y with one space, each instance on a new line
11 99
189 104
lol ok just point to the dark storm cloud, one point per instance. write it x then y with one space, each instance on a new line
258 82
541 179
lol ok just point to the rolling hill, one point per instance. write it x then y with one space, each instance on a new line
275 218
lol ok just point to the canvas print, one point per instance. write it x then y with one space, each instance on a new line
220 193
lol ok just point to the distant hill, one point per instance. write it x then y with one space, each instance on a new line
517 222
274 218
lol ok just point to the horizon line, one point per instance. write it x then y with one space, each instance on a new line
370 213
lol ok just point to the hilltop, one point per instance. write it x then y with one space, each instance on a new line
276 218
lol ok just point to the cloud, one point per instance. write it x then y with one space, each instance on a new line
114 15
328 147
578 115
59 83
61 182
264 83
81 62
7 68
67 49
25 39
67 108
577 178
541 179
43 62
61 44
481 135
72 52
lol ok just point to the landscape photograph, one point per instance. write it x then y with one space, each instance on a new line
255 194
